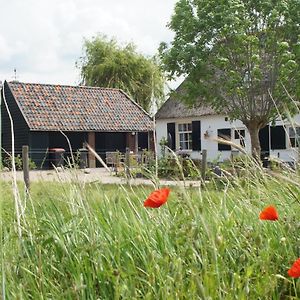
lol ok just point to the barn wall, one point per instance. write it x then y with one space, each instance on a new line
38 149
21 129
109 142
143 141
41 142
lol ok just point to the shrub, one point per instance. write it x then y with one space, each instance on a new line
7 162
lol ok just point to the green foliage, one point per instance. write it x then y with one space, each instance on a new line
106 64
89 241
240 57
176 168
163 143
7 162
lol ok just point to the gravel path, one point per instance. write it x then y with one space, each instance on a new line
88 175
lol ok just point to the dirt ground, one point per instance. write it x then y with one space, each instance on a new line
88 175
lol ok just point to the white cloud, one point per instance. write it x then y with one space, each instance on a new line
44 38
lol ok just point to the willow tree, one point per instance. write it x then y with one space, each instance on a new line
107 64
240 57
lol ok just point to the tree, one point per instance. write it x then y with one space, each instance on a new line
107 64
241 57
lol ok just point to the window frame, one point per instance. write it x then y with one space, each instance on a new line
180 133
239 134
296 137
221 146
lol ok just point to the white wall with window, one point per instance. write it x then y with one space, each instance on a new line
282 139
210 127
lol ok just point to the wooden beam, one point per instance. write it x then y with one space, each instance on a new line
92 144
131 141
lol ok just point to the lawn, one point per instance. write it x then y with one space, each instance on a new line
97 241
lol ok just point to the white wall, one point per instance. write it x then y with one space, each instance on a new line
210 124
215 122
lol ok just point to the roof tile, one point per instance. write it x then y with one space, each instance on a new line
78 108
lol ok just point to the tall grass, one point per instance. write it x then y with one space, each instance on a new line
98 241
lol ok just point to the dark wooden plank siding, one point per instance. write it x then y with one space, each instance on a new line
109 142
38 149
58 140
41 142
143 141
20 126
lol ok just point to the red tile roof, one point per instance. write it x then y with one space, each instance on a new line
48 107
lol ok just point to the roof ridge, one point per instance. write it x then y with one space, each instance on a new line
64 85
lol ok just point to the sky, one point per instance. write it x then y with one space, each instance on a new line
43 39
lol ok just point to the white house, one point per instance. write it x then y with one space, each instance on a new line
193 129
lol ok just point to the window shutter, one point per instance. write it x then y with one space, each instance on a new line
171 135
225 134
278 138
196 135
264 138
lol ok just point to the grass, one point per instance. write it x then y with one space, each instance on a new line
98 241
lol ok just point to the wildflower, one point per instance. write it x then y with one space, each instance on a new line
269 213
157 198
294 271
283 240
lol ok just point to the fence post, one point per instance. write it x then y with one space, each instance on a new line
117 162
127 162
203 164
25 160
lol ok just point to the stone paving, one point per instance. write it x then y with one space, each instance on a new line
89 175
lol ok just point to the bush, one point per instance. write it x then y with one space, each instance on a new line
7 162
178 167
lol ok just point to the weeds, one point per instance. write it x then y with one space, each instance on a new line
97 241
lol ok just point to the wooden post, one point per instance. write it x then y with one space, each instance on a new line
203 164
127 162
117 162
91 142
25 160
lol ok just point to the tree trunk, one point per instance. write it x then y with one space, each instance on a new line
255 143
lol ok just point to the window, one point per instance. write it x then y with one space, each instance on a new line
294 135
239 134
224 134
185 136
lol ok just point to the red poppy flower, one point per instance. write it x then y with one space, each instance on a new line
269 213
294 271
157 198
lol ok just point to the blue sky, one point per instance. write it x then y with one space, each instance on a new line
42 39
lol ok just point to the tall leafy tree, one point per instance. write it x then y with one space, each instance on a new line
241 57
107 64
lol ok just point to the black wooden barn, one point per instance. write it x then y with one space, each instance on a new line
105 118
